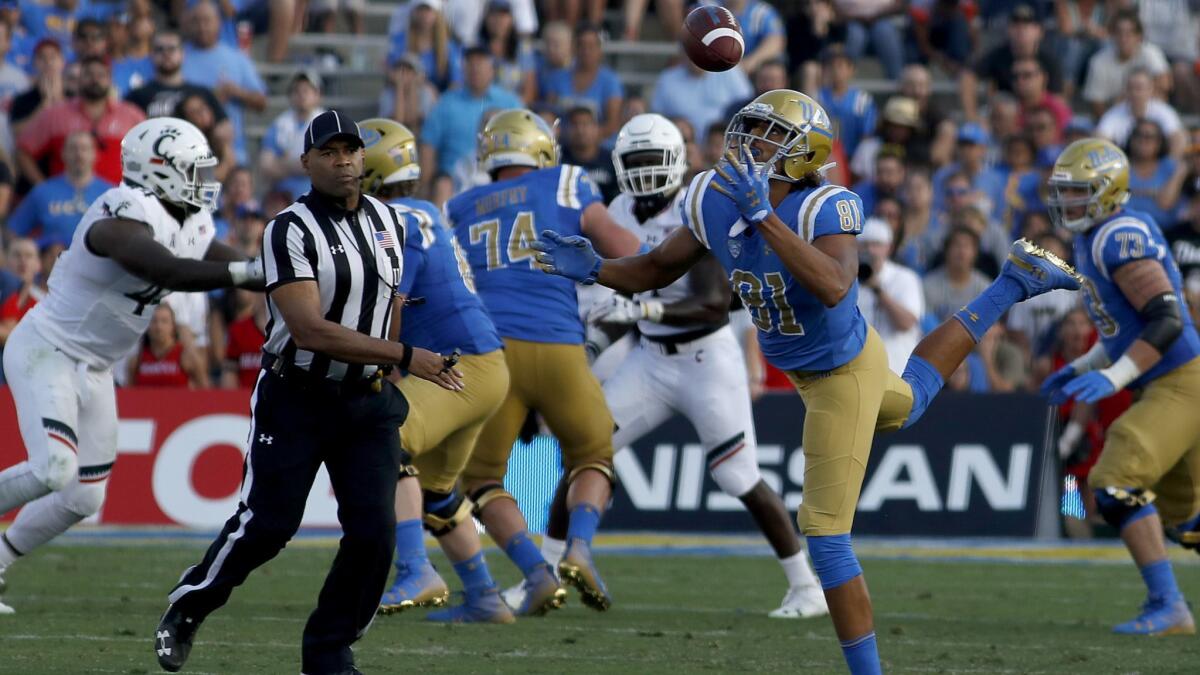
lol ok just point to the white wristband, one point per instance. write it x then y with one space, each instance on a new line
652 310
245 270
1122 372
1094 359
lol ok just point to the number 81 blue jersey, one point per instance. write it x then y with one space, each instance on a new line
496 223
796 331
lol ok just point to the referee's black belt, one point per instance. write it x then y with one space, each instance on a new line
301 378
672 343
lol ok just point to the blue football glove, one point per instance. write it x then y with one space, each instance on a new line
572 257
747 185
1053 385
1090 387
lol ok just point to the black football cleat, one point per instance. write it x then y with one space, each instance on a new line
173 639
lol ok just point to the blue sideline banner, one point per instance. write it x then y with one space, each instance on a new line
974 465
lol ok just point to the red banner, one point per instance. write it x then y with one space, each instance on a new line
179 458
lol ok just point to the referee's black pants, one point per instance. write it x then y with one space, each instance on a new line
296 426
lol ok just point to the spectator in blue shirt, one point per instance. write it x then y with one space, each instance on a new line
452 126
555 57
279 160
515 65
53 208
698 96
428 37
762 31
226 71
970 159
589 83
1155 179
134 68
50 20
851 109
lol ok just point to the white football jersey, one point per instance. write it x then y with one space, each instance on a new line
652 233
96 311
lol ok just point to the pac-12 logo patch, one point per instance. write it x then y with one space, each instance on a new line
735 247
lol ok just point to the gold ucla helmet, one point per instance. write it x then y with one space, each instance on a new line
1097 174
390 154
517 137
795 124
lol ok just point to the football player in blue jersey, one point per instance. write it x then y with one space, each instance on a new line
1149 472
444 314
786 240
538 318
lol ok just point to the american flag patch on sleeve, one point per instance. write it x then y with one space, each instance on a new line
385 239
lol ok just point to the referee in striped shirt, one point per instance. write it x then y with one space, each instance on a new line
333 261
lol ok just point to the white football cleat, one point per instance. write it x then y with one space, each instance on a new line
5 609
514 595
802 602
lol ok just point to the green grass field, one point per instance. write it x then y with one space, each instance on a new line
92 609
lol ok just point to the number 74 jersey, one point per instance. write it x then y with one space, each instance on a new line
96 311
796 331
496 224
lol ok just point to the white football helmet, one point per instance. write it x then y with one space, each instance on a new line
171 158
650 132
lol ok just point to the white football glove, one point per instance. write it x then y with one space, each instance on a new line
621 310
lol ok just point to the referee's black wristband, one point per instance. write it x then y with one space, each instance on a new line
407 358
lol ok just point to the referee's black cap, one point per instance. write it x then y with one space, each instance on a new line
329 125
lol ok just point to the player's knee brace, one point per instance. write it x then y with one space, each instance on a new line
84 499
925 381
604 467
444 511
60 465
833 559
1122 506
734 467
488 493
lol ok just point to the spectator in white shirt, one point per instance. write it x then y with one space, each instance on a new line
1125 51
696 95
891 298
1141 103
279 159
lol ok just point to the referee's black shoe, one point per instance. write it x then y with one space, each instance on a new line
173 639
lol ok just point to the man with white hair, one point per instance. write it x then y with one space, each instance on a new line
891 298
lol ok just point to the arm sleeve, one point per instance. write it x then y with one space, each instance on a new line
1123 241
289 253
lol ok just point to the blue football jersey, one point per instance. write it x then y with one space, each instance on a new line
1124 238
496 223
796 331
436 269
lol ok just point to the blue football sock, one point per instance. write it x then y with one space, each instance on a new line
862 655
979 315
410 544
583 522
1160 579
925 381
474 573
524 553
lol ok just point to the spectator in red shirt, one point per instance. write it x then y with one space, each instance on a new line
93 110
1029 85
243 347
164 361
23 261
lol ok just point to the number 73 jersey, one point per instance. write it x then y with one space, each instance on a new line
96 311
1124 238
796 331
496 224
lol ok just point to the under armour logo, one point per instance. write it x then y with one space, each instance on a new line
337 249
265 439
162 636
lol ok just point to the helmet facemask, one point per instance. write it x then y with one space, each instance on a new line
201 187
1061 204
650 171
758 123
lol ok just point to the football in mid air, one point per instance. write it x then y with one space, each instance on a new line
712 38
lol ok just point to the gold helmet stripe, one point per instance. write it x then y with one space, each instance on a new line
695 197
1107 229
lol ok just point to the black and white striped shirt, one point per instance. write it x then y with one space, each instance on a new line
356 258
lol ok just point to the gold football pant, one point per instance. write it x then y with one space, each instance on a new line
443 425
554 380
844 408
1155 445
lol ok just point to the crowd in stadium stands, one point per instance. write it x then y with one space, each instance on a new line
948 115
